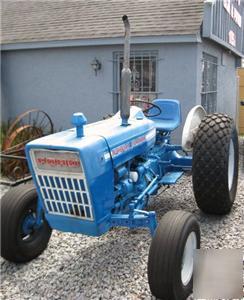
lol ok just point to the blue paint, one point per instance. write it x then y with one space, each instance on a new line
170 116
90 150
122 167
136 220
79 120
171 178
28 224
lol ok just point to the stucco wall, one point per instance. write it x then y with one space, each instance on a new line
226 77
61 81
4 98
178 77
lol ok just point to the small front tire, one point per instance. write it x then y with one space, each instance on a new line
170 262
20 241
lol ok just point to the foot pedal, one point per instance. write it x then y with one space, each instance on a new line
171 177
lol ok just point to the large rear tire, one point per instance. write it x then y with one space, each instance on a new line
170 262
215 164
20 241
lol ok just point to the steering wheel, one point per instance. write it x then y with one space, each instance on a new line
150 106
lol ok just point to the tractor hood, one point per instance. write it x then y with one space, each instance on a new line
122 141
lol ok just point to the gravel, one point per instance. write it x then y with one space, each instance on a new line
114 266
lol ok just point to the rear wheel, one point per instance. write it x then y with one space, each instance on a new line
21 239
215 164
170 262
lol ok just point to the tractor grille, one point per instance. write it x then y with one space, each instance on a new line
64 194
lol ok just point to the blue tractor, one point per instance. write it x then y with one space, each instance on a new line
93 177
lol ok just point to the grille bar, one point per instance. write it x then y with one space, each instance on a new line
65 195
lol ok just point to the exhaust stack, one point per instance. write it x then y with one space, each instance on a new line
126 76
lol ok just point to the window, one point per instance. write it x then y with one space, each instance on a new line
209 83
143 65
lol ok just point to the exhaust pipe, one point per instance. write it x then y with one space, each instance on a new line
126 76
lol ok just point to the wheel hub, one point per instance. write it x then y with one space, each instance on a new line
187 259
28 224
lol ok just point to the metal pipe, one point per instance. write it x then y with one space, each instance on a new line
8 156
147 189
126 76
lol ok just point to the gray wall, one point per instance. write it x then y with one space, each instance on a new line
226 77
61 80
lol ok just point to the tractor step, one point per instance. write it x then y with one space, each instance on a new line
171 177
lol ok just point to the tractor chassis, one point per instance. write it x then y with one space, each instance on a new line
135 217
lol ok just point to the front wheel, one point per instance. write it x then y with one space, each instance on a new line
170 262
21 239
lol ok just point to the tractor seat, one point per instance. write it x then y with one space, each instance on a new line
170 116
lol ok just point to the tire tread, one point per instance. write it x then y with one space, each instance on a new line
210 164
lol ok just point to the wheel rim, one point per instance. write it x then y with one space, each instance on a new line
27 229
231 164
187 259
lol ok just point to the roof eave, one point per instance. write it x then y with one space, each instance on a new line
183 38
